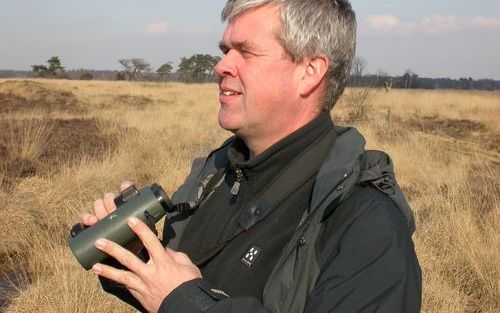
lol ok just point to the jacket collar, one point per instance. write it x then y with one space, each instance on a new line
340 170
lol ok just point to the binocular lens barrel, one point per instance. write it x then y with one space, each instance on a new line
149 205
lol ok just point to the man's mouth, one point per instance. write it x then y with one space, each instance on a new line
228 93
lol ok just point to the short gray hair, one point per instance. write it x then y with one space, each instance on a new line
311 28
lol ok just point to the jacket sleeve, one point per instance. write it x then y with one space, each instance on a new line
371 265
197 296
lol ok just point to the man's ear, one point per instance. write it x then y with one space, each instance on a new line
313 74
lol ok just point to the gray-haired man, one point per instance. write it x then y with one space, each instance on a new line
297 217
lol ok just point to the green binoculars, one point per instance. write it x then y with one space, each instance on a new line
149 204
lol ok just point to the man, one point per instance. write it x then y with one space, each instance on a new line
291 214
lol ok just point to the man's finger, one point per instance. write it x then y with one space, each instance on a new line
99 209
148 238
123 277
125 184
109 202
122 255
88 219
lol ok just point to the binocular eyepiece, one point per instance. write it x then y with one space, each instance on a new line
149 205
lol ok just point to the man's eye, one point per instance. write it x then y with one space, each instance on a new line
247 53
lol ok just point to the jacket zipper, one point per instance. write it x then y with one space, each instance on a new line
236 186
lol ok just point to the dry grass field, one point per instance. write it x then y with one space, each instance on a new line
65 143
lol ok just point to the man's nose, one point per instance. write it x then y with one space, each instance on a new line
226 66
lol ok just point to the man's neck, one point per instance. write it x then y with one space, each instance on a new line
257 145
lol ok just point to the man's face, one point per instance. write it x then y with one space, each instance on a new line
258 80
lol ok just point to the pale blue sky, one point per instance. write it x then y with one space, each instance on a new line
441 38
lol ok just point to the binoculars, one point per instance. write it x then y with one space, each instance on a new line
149 204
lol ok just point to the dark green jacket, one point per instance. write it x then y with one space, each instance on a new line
352 251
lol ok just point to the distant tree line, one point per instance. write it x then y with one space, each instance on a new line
199 68
410 80
413 81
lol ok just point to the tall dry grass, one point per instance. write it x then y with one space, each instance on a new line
28 142
442 143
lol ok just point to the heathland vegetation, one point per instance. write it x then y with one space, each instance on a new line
64 143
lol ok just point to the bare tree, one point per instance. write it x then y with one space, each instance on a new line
360 95
359 65
388 85
384 80
134 66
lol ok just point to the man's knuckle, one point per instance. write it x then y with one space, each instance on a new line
149 242
128 258
109 195
125 184
108 198
97 203
125 279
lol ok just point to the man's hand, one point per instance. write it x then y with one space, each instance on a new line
102 207
148 282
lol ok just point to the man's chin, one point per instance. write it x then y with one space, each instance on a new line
227 123
227 126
